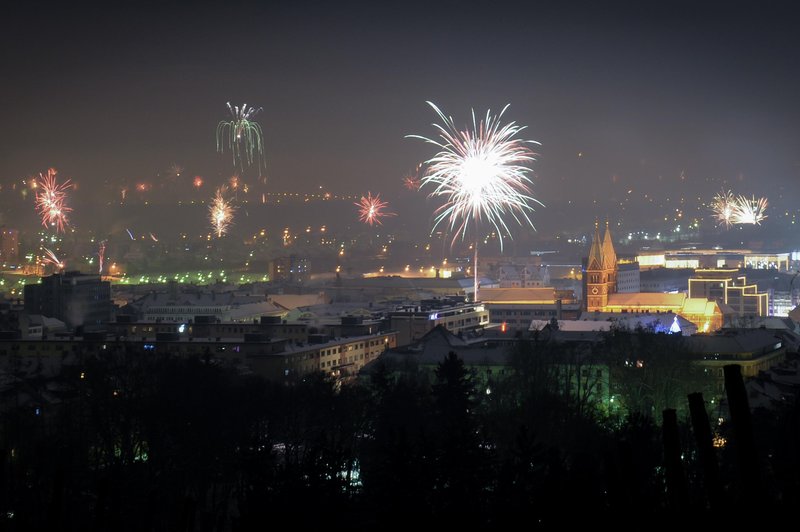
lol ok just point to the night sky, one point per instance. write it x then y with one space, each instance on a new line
621 96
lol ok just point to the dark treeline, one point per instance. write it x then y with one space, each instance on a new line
156 442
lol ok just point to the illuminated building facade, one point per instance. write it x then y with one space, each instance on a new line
725 285
781 302
713 258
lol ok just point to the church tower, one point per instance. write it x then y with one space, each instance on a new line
601 270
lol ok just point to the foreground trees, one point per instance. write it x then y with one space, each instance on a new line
129 441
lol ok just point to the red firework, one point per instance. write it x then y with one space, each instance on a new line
413 181
51 200
371 209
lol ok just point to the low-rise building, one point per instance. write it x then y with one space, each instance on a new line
273 358
516 307
523 276
754 350
412 322
341 358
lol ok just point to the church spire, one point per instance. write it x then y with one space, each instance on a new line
595 261
609 255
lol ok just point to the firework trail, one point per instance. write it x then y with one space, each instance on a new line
130 234
51 200
153 237
220 212
749 210
242 135
482 175
723 207
101 256
50 258
371 209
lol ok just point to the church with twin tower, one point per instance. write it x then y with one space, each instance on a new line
601 270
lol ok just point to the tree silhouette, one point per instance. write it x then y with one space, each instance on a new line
460 462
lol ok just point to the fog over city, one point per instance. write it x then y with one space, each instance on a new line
643 113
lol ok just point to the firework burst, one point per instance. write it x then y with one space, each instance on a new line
174 171
371 209
482 174
233 182
51 200
749 210
242 136
412 181
220 212
723 206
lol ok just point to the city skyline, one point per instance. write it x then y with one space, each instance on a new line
466 265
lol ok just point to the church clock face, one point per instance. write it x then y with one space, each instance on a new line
594 290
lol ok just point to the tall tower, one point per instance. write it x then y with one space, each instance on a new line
601 270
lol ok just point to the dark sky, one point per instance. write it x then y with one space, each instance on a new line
644 91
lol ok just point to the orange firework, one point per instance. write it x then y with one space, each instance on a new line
220 212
